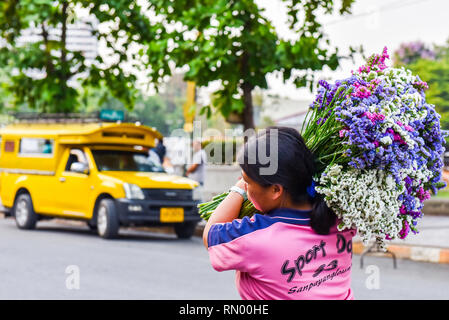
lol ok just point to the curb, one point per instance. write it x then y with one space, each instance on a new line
436 207
410 252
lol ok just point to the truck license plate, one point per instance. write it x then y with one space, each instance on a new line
172 214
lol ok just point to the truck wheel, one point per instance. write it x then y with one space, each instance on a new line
107 219
23 212
185 230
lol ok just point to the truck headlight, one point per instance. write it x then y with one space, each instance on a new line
197 194
133 191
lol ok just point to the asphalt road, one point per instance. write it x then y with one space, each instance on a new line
44 263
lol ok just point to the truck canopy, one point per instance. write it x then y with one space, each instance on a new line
23 145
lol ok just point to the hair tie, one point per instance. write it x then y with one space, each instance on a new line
311 190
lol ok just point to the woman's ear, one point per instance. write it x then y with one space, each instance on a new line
276 191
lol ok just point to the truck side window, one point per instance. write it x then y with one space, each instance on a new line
76 155
36 147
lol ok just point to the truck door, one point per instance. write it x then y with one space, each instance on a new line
75 185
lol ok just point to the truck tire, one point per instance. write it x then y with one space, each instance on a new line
185 230
107 219
23 212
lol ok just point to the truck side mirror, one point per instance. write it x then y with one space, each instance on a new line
79 167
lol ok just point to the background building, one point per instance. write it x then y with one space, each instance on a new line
284 111
79 38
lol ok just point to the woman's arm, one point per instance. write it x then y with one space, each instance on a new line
226 211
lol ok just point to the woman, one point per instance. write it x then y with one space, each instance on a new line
293 249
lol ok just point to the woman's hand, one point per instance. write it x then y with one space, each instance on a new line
227 210
241 184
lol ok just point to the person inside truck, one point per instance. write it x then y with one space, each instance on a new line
126 164
76 155
48 147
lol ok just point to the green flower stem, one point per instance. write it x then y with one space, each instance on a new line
207 208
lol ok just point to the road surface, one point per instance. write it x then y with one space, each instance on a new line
45 264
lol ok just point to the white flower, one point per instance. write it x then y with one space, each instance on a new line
363 199
386 140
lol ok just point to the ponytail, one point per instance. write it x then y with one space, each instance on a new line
322 218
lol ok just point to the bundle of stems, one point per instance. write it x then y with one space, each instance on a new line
207 208
320 132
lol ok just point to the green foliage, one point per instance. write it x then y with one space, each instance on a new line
232 41
153 111
435 72
226 40
47 73
163 113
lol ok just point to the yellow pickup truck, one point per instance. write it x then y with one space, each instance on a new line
96 172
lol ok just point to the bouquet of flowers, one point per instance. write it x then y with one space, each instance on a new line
378 148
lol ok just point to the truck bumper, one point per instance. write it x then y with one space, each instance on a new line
147 212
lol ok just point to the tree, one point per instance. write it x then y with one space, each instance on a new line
434 69
231 41
153 111
410 52
163 111
46 73
3 91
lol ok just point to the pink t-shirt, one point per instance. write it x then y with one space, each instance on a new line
277 256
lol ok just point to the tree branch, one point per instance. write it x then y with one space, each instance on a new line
50 68
65 72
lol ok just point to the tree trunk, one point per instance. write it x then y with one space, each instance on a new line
248 119
248 113
64 66
49 66
64 41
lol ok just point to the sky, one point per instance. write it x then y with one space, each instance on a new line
373 24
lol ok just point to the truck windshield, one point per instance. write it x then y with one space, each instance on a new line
113 160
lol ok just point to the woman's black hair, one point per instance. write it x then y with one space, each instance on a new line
295 170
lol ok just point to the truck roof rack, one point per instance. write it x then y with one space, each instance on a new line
38 117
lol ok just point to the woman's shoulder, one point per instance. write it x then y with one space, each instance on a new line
225 232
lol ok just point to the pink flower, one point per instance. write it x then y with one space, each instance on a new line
423 195
366 69
398 138
405 230
374 116
421 85
361 92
